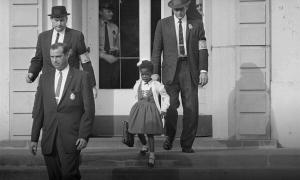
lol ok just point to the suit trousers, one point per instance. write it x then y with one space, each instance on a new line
61 165
109 74
184 85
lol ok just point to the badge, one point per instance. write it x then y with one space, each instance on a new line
72 96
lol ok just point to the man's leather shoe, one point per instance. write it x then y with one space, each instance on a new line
188 150
168 144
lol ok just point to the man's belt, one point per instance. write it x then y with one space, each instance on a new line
182 58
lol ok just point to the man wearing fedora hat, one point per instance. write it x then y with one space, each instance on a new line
60 33
185 63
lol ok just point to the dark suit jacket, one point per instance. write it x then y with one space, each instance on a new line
41 60
165 41
71 118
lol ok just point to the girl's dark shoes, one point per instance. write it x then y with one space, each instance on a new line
144 150
151 162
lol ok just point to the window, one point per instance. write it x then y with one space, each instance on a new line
117 64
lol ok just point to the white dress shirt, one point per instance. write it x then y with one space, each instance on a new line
64 78
113 35
183 23
61 36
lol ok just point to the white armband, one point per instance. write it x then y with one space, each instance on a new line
202 44
84 58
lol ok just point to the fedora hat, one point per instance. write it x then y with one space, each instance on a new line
58 11
178 3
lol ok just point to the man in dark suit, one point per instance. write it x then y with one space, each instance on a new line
185 63
64 109
60 34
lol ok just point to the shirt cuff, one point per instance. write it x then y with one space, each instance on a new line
203 71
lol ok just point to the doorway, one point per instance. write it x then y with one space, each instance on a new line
114 103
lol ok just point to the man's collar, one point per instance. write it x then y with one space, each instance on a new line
103 21
64 70
176 19
62 32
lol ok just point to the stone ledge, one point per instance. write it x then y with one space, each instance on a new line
89 173
199 143
246 158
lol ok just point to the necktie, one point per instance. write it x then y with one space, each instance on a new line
57 90
181 43
57 37
106 40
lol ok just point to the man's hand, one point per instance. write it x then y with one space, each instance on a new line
203 79
95 92
163 114
33 147
81 144
109 58
29 77
155 77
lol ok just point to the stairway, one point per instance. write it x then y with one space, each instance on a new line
107 158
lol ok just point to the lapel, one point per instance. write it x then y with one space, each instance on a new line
67 38
171 27
187 34
68 81
50 89
48 42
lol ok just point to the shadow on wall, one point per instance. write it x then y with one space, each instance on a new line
274 130
249 110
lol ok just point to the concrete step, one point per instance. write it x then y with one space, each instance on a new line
128 164
157 174
268 158
199 143
107 158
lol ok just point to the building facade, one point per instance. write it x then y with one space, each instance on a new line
254 56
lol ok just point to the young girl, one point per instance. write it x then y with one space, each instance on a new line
146 114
